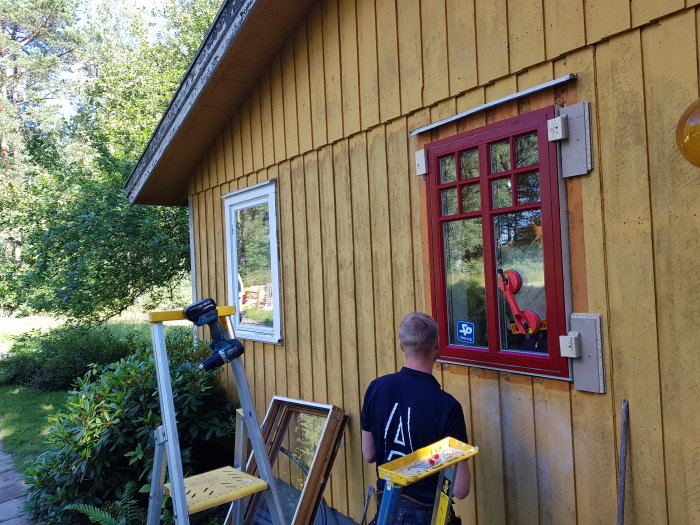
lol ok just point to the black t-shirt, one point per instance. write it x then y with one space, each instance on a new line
406 411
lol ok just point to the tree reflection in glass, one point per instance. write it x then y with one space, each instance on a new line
254 265
464 278
518 239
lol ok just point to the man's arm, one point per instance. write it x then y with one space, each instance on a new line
368 451
463 480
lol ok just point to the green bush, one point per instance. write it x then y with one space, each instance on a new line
53 359
102 438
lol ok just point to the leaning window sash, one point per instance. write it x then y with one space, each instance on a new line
253 262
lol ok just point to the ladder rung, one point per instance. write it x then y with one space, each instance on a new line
217 487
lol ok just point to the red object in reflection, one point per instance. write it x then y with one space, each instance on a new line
527 321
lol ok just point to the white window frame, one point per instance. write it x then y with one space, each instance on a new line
264 193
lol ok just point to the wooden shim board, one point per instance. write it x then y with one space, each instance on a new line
246 138
349 66
419 217
256 132
331 59
291 124
301 266
388 62
317 77
381 251
519 449
288 279
643 12
367 62
315 295
333 354
605 17
399 181
670 82
461 45
456 382
348 326
410 58
301 64
436 79
627 216
555 454
492 48
278 113
564 27
266 116
488 469
525 33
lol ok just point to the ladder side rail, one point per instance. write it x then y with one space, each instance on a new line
167 410
390 498
261 458
239 460
443 496
155 499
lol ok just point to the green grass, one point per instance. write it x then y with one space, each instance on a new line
23 424
13 326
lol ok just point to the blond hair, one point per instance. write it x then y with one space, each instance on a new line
418 333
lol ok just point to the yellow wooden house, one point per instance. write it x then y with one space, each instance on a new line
385 156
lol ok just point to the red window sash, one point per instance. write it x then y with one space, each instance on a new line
550 364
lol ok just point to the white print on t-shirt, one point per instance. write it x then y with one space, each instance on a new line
399 447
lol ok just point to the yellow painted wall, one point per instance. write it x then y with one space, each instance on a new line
330 119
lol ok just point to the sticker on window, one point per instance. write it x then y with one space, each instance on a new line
465 332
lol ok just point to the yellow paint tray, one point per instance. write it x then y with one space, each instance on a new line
423 462
217 487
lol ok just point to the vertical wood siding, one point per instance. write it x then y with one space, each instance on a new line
330 119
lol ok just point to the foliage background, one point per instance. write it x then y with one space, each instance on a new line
83 85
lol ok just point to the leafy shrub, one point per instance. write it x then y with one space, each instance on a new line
53 359
102 438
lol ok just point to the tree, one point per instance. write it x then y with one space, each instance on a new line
81 251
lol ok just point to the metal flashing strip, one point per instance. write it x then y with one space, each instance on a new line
488 105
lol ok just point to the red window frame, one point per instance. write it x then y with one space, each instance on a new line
549 364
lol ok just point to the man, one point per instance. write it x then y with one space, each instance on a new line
408 410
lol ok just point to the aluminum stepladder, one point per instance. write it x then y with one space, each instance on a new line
213 488
425 462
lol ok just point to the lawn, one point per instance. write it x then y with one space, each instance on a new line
23 425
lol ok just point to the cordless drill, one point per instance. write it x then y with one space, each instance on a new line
223 349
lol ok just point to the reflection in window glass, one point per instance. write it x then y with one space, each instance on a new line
464 277
518 239
469 164
471 198
501 194
448 171
528 188
500 156
449 201
254 265
293 461
526 150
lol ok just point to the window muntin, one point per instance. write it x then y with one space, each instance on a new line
253 265
507 218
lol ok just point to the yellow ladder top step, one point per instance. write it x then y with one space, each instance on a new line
217 487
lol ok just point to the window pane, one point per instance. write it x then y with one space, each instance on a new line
518 239
528 188
464 277
447 170
471 198
526 150
254 265
469 164
500 156
501 195
449 201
